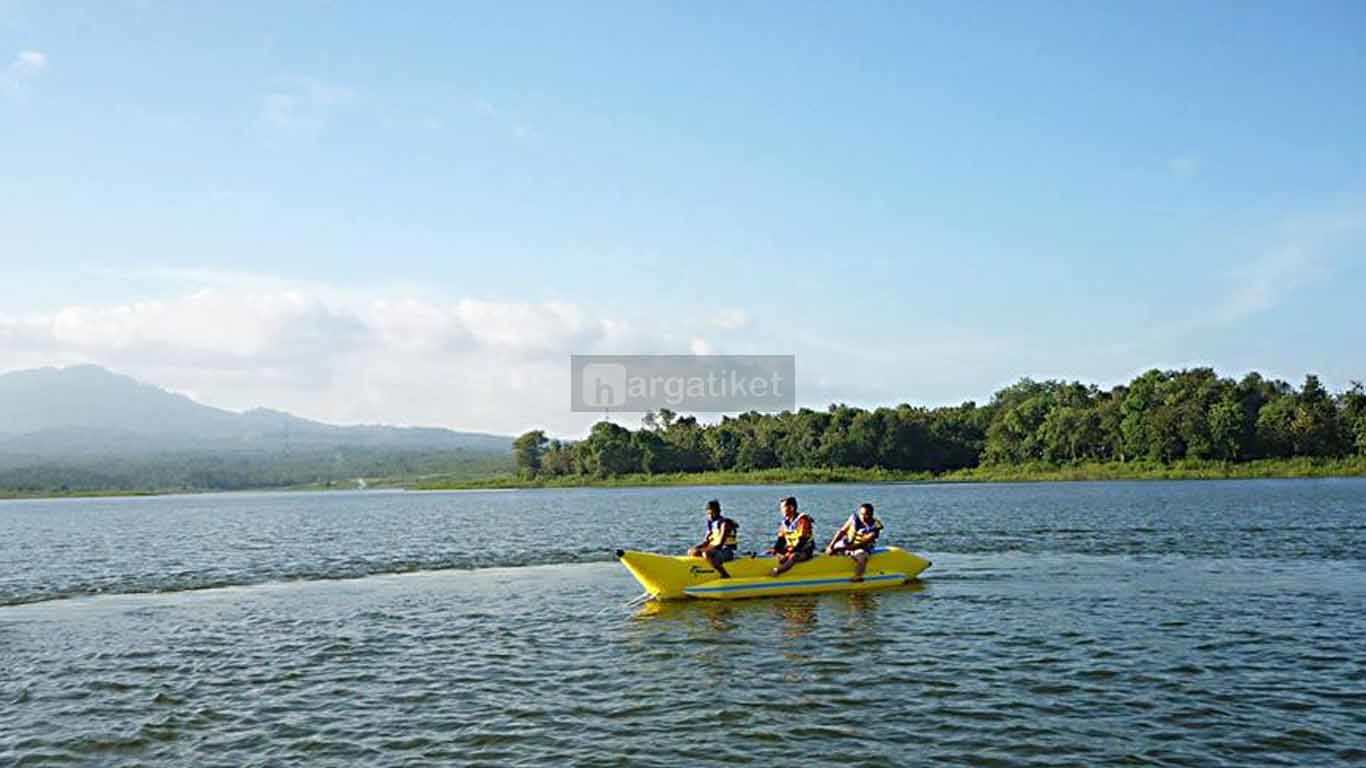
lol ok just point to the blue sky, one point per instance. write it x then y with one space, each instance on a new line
414 214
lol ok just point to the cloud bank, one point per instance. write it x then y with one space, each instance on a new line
321 352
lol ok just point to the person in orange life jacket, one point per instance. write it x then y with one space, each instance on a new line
857 538
722 537
796 538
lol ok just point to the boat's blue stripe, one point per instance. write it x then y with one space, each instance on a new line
798 583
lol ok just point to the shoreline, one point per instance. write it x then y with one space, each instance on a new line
1186 470
1268 469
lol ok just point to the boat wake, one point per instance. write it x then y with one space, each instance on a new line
156 584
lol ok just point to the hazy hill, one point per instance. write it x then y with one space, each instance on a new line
87 428
80 409
90 397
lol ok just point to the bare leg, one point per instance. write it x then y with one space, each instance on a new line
788 560
860 564
714 558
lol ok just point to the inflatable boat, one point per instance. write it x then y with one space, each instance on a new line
671 577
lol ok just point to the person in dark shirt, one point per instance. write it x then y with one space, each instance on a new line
722 537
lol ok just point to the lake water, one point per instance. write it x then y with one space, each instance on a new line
1198 623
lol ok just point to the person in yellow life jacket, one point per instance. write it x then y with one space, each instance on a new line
723 535
857 538
796 537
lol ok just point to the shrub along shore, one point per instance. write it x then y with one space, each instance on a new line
1184 470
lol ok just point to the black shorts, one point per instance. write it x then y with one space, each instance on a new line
721 554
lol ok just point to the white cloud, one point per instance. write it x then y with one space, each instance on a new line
1260 284
304 104
401 355
1309 248
699 346
324 352
337 355
26 65
730 319
531 329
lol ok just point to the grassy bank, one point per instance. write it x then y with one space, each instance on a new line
1185 470
11 493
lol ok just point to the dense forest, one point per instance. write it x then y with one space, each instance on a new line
1159 417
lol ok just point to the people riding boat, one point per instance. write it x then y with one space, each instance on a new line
796 538
857 538
722 538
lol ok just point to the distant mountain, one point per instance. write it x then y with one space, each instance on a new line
90 397
87 410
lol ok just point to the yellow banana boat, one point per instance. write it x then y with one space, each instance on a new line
670 577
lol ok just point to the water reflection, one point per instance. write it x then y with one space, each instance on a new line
798 615
719 615
861 604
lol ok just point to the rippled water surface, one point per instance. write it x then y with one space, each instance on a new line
1202 623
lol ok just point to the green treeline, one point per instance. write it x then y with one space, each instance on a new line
1159 418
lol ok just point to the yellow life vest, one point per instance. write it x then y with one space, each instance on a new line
859 533
792 532
722 532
